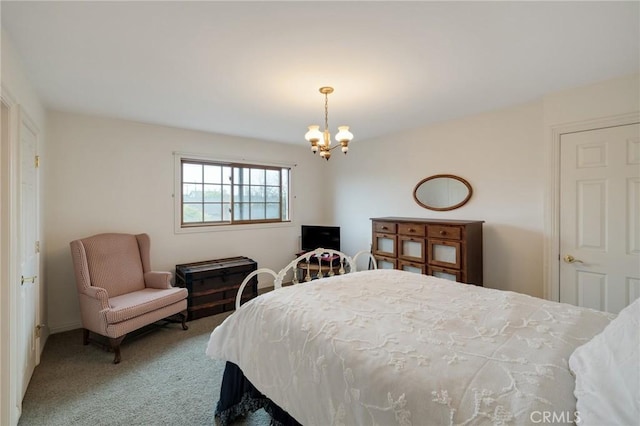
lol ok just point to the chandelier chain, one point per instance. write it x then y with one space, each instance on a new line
326 111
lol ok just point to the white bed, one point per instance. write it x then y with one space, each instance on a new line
387 347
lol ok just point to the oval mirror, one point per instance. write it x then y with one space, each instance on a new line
442 192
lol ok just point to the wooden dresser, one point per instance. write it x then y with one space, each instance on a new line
213 284
450 249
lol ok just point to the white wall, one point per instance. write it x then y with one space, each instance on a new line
603 99
15 80
109 175
503 154
499 153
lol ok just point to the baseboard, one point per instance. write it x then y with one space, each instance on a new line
59 328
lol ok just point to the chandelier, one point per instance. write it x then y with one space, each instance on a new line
321 141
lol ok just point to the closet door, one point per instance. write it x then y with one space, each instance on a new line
600 217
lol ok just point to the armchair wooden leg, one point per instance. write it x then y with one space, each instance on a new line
183 315
115 345
85 336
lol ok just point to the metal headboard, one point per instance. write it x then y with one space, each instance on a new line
335 261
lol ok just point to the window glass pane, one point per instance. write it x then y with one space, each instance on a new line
257 176
213 193
285 194
191 213
285 208
226 212
213 212
226 174
273 177
240 211
191 172
273 210
285 181
226 193
191 192
212 174
240 176
241 193
257 194
273 194
257 211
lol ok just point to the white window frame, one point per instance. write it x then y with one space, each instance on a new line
178 226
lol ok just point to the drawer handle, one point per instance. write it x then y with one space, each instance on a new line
385 228
443 232
412 230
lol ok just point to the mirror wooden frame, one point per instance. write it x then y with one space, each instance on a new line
452 207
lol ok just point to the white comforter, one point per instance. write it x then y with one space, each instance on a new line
388 347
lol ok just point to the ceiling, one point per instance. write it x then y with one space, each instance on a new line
253 69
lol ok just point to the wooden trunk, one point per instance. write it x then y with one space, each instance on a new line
213 284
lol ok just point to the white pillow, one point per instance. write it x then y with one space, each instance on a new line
607 371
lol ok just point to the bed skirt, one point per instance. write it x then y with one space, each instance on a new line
238 397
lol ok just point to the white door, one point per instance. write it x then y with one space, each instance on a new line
28 295
600 217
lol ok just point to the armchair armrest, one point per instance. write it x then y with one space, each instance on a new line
99 294
156 279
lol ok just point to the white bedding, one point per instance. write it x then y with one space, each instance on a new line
390 347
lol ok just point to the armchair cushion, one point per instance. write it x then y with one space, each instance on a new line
134 304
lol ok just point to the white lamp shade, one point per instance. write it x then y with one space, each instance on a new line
344 134
326 139
314 133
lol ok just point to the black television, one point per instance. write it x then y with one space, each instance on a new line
314 236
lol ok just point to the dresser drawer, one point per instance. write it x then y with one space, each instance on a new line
411 248
447 274
448 232
386 262
385 245
444 253
414 229
385 227
419 268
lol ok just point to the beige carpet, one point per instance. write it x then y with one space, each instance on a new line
164 378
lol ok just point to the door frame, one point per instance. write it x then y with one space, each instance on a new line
551 256
10 403
26 123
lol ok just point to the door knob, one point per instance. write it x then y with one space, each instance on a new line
570 259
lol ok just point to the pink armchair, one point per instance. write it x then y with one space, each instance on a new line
118 292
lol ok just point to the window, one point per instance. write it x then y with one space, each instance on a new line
222 193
